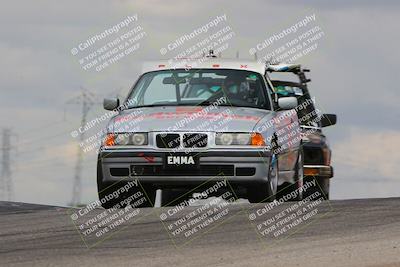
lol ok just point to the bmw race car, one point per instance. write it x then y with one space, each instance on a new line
218 119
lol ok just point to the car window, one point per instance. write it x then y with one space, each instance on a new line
193 87
153 94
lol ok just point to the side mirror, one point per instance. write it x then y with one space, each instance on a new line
110 103
328 120
287 102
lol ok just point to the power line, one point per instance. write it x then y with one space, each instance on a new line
87 100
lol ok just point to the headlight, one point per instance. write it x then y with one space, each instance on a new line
243 139
246 139
139 139
224 139
121 139
124 139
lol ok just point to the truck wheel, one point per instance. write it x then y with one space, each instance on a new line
287 188
321 185
265 192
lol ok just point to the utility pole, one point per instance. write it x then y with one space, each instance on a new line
6 183
86 99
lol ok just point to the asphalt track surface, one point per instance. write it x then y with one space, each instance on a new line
350 233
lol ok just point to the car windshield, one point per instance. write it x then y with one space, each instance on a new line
199 87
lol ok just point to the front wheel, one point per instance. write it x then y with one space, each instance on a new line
265 192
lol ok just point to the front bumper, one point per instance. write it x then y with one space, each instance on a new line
318 170
240 167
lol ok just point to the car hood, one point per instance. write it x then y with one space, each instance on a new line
208 118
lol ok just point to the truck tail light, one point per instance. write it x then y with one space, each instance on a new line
310 172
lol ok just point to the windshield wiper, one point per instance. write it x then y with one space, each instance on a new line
205 103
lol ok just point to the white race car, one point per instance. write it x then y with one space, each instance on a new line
182 126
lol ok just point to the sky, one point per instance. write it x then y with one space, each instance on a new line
353 71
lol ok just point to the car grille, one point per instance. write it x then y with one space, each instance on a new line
168 140
203 170
173 140
194 140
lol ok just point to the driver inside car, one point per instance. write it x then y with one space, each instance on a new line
238 89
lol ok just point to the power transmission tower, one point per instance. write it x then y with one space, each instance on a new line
6 183
87 100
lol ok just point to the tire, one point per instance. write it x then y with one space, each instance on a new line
173 197
104 189
150 194
287 188
321 185
265 192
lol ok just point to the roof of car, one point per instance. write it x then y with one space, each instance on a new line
205 63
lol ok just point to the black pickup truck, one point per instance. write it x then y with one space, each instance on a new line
317 153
